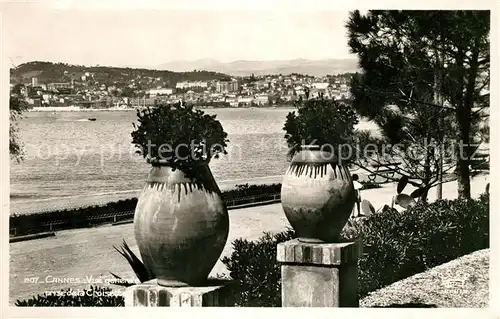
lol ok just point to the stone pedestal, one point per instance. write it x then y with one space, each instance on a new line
215 293
319 275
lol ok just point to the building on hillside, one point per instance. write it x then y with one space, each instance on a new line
233 101
191 84
300 91
46 97
316 93
320 85
222 86
34 81
261 99
34 101
161 91
245 100
55 86
227 86
25 91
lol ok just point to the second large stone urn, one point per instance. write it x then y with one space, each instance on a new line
181 225
317 195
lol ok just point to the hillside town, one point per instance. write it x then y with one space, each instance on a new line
87 91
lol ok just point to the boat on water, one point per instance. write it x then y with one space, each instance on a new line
92 119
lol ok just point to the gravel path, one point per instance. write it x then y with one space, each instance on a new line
460 283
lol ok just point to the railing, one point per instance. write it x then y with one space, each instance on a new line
113 217
60 208
253 199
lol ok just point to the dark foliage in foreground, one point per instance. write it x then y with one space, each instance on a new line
93 297
257 273
140 270
424 236
16 108
396 245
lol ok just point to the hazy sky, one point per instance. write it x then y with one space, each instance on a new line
56 32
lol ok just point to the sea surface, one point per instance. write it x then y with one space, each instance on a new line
68 155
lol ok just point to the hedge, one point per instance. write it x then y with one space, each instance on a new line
25 224
401 245
82 217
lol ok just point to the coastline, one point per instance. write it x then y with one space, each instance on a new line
64 109
34 206
57 109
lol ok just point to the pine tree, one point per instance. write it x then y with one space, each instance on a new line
402 53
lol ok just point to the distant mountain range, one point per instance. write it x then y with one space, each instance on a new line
247 68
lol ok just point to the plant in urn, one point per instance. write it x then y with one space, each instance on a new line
317 192
181 223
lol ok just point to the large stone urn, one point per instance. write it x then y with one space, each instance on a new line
317 195
181 225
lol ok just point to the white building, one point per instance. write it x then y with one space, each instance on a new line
245 99
232 101
161 91
261 99
320 85
188 84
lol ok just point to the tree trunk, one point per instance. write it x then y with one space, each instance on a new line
464 120
463 171
427 168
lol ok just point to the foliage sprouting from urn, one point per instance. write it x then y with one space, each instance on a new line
178 135
321 122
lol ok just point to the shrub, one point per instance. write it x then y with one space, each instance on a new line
256 273
426 235
93 297
397 245
252 190
71 218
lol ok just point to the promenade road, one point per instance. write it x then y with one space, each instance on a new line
86 255
54 203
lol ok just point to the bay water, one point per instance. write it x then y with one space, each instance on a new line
66 154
